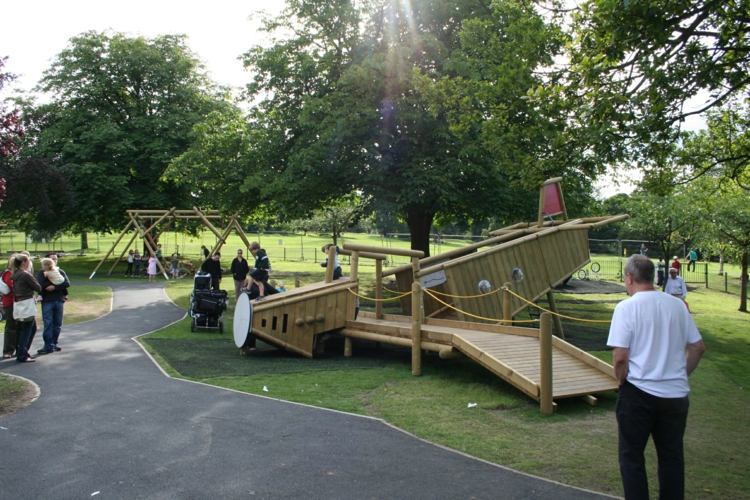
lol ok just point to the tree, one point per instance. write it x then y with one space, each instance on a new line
40 199
336 217
722 150
121 109
351 100
636 65
667 220
726 209
215 166
11 129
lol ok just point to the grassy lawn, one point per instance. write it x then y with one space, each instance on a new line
578 445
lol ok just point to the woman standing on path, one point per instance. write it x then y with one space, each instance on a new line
151 270
10 340
24 286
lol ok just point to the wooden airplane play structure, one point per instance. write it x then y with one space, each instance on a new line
462 301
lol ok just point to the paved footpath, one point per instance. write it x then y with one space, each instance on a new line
110 425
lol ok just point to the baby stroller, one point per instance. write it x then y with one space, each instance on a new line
207 306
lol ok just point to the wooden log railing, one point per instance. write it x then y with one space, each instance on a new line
417 299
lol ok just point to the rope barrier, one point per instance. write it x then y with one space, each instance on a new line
378 300
433 293
497 320
467 296
583 320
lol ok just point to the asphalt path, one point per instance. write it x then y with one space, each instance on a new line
110 425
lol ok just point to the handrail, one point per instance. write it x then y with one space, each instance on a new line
379 250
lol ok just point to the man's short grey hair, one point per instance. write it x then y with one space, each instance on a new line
640 268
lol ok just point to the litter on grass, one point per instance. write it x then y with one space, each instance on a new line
265 389
471 405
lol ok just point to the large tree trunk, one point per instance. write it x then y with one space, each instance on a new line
743 283
420 223
84 240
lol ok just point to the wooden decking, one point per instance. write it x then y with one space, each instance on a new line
514 357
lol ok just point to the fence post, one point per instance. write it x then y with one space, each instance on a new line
622 278
284 253
705 271
726 283
302 248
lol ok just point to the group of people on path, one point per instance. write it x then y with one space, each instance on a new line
21 289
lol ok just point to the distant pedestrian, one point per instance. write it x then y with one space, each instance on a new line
656 346
644 250
131 259
692 258
675 286
205 252
151 269
676 264
212 266
174 265
138 262
10 339
239 269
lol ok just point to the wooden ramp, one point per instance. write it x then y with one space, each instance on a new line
512 353
515 359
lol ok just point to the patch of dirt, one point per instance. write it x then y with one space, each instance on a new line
591 286
17 395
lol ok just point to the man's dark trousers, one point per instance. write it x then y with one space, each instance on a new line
639 415
52 314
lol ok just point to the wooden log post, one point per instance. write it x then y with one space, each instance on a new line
117 261
507 309
354 276
416 329
378 288
546 404
124 231
417 317
558 320
331 258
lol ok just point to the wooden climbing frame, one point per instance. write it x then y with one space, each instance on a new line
137 224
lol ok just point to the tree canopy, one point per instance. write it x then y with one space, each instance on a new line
640 68
121 109
420 106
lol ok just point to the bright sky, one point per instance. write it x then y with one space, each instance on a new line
34 31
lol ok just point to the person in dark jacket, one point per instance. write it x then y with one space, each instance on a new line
53 302
257 285
239 269
212 266
24 287
261 257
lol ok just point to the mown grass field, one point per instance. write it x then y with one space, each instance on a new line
576 446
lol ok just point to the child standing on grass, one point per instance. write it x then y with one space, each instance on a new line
151 270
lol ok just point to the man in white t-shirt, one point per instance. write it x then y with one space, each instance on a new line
656 346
